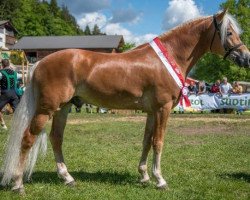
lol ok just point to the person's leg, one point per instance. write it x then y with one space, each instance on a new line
3 125
3 102
14 100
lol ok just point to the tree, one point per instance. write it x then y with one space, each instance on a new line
8 8
211 67
54 7
97 31
35 18
127 46
87 30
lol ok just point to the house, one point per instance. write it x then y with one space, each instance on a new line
7 35
38 47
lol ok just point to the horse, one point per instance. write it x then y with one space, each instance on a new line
136 79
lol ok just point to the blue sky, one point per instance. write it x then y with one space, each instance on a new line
138 20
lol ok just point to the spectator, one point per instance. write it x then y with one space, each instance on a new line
8 81
192 89
216 87
202 88
225 87
237 88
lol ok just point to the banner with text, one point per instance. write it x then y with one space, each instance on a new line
215 101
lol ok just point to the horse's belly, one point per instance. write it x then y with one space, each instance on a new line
118 100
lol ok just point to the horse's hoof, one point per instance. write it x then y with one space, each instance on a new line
144 181
71 184
19 190
163 186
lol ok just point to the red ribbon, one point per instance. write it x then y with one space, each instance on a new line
184 97
184 90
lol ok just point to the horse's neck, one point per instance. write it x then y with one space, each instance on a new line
189 43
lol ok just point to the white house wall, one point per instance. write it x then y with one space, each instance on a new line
2 38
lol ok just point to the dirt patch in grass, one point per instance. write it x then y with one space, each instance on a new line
204 129
143 119
181 125
108 119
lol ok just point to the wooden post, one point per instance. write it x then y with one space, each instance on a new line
23 71
27 72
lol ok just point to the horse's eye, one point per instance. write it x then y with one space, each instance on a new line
229 33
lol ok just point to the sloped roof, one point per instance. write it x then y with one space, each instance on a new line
8 23
65 42
3 22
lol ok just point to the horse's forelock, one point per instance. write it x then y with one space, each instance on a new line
229 20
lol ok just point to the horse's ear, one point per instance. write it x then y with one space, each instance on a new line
221 15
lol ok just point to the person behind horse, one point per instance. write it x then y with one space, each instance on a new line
237 88
202 88
216 87
8 82
192 89
225 87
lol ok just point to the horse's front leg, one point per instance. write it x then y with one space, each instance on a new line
161 117
147 141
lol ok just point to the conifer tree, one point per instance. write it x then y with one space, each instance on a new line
87 30
54 7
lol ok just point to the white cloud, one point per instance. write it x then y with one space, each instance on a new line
117 29
179 11
112 28
91 19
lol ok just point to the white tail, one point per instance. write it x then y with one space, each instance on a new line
21 120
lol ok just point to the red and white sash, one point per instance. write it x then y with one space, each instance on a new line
172 68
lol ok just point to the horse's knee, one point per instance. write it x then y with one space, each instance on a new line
37 123
28 140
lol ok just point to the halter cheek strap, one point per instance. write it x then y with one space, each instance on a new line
216 30
227 50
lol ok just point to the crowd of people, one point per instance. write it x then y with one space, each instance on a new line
219 87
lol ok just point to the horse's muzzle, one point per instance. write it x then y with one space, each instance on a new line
241 59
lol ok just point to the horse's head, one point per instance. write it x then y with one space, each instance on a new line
226 40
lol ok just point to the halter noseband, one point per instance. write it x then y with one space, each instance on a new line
228 50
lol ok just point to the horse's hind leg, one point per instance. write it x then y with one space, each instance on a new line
147 142
56 138
29 138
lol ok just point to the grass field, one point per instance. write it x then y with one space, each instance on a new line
205 157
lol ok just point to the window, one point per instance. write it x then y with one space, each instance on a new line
1 39
1 30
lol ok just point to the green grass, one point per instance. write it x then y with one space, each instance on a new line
205 157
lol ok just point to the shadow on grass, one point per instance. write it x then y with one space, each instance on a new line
236 176
99 176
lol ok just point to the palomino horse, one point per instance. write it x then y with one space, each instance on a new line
136 79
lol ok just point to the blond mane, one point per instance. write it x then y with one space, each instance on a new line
228 20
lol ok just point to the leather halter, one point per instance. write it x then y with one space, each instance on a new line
227 49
